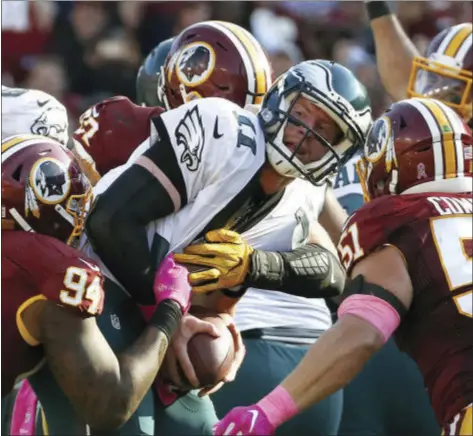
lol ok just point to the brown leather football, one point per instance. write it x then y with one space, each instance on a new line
212 357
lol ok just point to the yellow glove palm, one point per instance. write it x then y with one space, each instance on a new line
226 255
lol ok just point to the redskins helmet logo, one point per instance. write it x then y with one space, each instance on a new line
195 63
378 138
50 181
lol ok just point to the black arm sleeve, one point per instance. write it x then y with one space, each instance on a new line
310 271
116 225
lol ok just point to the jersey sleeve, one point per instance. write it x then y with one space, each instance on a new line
202 136
374 225
61 274
110 131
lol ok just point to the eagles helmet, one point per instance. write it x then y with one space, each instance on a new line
148 75
335 90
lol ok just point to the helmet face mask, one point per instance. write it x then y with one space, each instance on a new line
315 82
445 73
451 85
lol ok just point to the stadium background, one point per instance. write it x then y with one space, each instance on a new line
84 51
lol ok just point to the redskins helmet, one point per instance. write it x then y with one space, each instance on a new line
417 145
215 59
446 71
43 188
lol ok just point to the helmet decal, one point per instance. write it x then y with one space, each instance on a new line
50 180
195 63
376 143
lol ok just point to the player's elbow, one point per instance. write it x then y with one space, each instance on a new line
336 280
109 421
115 416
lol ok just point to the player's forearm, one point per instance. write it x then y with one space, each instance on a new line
106 389
394 52
114 399
333 361
310 271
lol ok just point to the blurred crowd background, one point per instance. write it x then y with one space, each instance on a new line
84 51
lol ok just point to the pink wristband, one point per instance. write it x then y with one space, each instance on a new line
379 313
278 406
24 411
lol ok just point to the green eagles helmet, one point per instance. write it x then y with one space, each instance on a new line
338 93
148 75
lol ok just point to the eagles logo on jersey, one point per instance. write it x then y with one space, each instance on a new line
190 135
50 123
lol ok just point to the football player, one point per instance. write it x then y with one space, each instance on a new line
409 254
445 73
52 293
30 111
212 169
207 59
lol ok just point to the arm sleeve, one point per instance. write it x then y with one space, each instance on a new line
116 226
310 271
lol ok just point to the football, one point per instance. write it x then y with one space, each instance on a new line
212 357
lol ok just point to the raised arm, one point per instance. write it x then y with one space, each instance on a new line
394 49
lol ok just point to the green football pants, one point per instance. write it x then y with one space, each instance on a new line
266 364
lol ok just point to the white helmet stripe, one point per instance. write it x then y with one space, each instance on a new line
463 50
458 129
14 144
250 73
436 135
448 38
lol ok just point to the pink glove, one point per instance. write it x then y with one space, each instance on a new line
244 420
170 283
260 419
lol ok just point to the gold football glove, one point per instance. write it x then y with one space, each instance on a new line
227 257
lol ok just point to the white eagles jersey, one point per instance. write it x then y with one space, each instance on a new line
286 227
220 147
347 187
33 111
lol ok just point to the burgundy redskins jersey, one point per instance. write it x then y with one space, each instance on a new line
433 231
35 267
111 130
